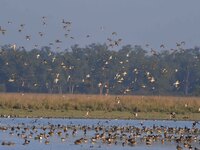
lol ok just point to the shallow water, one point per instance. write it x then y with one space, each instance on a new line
43 125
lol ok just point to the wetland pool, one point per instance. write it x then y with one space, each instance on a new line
97 134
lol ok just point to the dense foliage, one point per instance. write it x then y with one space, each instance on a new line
96 69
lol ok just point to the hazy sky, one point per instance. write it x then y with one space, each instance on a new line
135 21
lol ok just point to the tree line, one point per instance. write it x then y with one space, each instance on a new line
95 69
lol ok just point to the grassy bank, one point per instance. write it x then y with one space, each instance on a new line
76 106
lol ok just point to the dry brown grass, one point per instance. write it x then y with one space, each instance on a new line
99 102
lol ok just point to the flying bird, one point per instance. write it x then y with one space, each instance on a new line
58 41
114 33
40 33
162 46
9 22
2 30
28 37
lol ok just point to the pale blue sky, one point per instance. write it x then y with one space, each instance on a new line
135 21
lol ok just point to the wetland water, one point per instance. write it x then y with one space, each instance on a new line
50 134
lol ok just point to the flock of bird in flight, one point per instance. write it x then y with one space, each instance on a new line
67 29
112 42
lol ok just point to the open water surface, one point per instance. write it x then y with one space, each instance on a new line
61 134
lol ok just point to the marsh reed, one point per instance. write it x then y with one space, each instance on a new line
108 103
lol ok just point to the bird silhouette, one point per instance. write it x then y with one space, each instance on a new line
2 30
